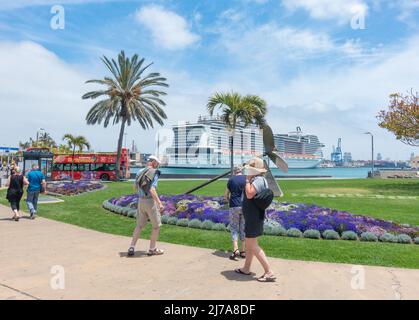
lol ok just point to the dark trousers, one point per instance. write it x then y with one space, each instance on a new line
15 205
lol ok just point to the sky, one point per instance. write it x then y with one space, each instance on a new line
327 66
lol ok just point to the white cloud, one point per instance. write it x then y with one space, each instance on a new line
39 90
340 10
407 10
168 29
271 45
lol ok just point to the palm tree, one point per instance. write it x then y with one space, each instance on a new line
237 109
129 96
73 143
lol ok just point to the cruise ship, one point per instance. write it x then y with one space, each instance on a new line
300 151
205 144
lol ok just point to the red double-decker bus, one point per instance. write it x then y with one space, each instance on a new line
90 166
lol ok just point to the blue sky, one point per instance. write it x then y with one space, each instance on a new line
303 56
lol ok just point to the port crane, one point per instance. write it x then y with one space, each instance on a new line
336 155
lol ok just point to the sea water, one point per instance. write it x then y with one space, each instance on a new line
316 172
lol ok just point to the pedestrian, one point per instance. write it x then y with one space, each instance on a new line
37 185
149 205
15 183
254 217
234 196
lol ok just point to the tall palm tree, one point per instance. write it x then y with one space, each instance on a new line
75 142
235 109
128 96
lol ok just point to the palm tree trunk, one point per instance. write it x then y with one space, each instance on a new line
119 150
232 153
72 165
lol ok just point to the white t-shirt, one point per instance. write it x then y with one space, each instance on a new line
260 184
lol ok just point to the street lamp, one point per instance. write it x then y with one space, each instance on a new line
37 134
372 153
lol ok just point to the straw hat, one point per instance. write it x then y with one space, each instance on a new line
255 167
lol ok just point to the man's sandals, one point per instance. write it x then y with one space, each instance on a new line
236 254
155 252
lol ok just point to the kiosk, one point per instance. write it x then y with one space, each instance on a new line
41 156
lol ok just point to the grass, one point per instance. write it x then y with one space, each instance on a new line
86 211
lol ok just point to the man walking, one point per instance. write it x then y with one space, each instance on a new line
234 196
37 185
149 205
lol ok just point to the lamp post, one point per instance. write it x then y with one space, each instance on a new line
372 153
37 135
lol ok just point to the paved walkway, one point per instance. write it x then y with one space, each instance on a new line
34 253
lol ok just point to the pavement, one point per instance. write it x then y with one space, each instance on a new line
46 259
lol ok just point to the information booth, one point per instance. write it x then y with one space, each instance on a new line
41 156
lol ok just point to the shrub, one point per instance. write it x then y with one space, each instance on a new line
182 222
281 231
207 225
349 235
275 230
312 234
219 227
132 213
330 235
294 232
172 220
106 204
267 229
164 218
404 238
416 241
388 237
195 223
368 236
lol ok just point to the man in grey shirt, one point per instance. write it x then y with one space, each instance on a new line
149 208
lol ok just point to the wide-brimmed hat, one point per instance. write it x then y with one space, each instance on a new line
154 158
255 167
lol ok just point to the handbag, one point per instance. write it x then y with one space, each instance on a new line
264 198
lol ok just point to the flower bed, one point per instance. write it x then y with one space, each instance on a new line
67 188
279 216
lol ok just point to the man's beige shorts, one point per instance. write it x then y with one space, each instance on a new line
147 210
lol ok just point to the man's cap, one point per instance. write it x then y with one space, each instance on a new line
238 169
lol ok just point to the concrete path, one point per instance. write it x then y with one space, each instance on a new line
45 259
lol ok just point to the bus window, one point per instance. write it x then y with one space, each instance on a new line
98 167
67 167
83 167
58 166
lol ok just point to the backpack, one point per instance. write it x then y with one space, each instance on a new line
264 198
145 180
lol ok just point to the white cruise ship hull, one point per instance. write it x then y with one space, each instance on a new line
293 163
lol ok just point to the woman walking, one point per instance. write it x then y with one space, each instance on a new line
254 218
15 184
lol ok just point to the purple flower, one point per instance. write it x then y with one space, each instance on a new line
300 216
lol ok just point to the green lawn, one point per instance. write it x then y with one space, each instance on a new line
86 211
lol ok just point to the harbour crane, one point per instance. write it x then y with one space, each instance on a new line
336 155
